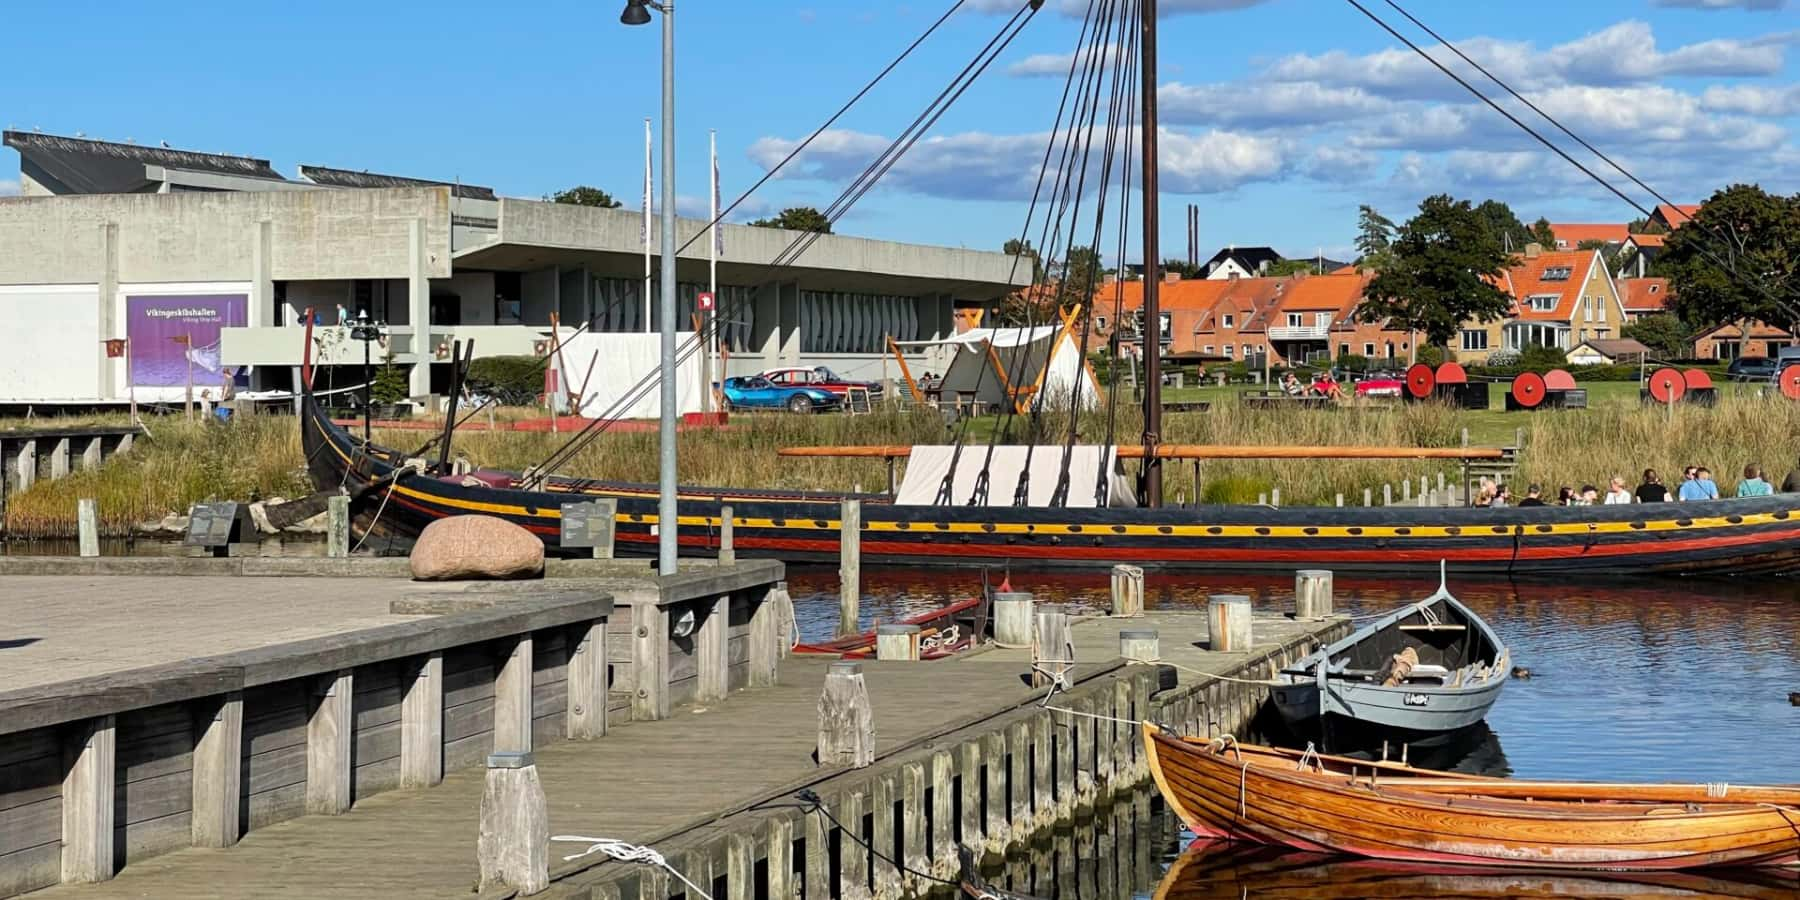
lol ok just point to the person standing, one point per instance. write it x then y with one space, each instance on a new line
1652 490
1700 488
1616 492
1753 484
1534 496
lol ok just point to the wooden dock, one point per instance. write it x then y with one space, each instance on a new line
710 781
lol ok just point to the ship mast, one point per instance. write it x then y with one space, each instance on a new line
1153 494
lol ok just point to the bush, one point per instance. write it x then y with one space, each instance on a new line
389 385
510 380
1430 354
1234 489
1351 362
1542 359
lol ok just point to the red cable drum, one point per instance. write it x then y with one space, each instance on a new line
1558 380
1420 381
1667 385
1695 379
1789 380
1451 373
1528 389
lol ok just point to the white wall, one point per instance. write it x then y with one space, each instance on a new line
50 346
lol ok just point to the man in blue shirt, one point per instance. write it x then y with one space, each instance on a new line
1700 488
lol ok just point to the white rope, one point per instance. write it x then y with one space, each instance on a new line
415 466
629 853
1213 675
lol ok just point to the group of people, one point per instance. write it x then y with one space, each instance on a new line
1324 386
1696 484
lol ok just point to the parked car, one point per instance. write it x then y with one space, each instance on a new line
1751 368
1380 386
822 378
757 392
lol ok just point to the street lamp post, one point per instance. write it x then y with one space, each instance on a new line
637 12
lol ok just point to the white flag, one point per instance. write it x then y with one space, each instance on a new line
718 232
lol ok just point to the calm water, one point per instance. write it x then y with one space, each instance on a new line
1680 680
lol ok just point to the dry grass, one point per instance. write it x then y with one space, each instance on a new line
183 463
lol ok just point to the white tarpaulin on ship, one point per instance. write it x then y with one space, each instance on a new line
614 365
926 467
1046 356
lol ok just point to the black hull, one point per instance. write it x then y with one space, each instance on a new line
1727 536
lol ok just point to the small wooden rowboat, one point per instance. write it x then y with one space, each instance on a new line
942 632
1326 804
1414 676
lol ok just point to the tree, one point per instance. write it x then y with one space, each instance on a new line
1181 267
1738 260
1592 244
1665 334
583 195
1081 271
1645 226
1016 247
1444 272
1288 267
1542 234
1508 232
1374 235
797 218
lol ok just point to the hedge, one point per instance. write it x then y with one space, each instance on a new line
511 380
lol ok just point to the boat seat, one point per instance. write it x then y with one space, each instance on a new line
1439 627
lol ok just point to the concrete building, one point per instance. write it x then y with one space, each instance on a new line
210 260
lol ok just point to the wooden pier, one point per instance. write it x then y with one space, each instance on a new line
28 455
337 716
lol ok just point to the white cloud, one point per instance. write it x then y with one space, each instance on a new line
981 166
1340 165
1264 104
1056 65
1753 100
1724 4
9 187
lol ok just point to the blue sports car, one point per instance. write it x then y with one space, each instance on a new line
757 392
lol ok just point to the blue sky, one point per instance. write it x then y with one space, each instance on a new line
1281 115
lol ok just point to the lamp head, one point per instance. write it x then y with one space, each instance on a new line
636 13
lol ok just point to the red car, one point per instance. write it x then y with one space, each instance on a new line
820 378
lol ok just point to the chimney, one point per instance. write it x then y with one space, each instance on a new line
1532 250
1171 277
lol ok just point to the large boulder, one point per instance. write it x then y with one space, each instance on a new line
476 547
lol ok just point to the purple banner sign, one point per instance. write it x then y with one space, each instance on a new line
168 333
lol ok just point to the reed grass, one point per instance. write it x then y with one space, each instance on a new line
182 463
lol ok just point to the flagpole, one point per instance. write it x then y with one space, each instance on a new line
712 275
647 151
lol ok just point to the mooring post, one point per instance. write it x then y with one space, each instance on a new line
1053 652
337 526
1127 591
1406 491
1340 498
514 846
1228 622
1275 497
1012 620
1368 497
897 642
87 516
1387 495
89 775
849 568
1312 593
846 722
1140 646
727 544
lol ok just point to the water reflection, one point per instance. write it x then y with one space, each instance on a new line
1675 679
1238 871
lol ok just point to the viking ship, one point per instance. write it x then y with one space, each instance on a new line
396 494
1327 804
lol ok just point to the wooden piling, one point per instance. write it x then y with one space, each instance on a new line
779 847
1312 593
770 639
93 452
884 840
1018 778
1387 495
853 852
330 735
740 866
914 852
818 856
712 650
1275 497
586 717
899 642
90 769
1013 620
969 771
1228 622
1053 649
512 699
849 568
514 844
422 722
1043 798
1406 491
1127 591
943 813
1368 497
1140 646
1340 498
87 516
993 775
337 526
217 771
846 722
727 542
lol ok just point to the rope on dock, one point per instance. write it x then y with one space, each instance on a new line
629 853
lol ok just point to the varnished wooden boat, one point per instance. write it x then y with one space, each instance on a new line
1217 870
1389 811
957 626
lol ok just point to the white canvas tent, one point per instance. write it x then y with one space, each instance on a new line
996 366
612 365
929 463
